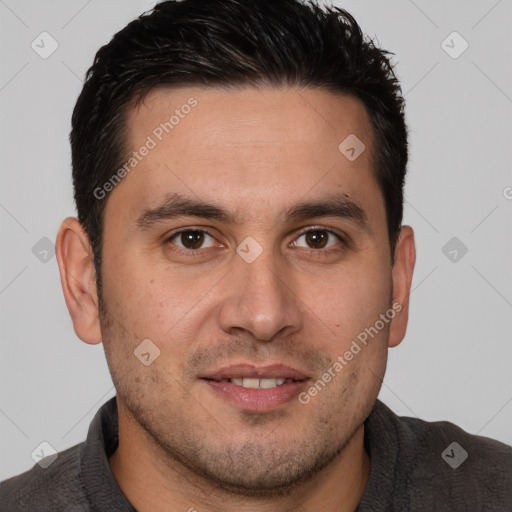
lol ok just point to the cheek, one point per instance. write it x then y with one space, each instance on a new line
134 296
349 299
160 304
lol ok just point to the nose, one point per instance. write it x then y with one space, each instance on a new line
260 300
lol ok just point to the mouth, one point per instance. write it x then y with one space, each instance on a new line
257 389
255 383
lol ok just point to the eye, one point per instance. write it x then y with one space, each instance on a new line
192 239
318 239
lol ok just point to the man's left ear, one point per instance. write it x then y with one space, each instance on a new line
403 267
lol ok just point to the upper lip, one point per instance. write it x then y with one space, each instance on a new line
242 370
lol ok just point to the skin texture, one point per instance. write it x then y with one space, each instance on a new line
254 152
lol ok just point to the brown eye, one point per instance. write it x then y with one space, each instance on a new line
318 239
191 239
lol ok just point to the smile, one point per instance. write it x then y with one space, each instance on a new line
253 383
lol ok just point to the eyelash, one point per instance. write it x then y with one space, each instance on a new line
196 252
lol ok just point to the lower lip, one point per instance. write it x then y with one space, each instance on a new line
258 400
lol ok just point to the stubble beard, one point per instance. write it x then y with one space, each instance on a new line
250 468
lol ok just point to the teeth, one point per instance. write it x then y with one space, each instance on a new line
268 383
252 383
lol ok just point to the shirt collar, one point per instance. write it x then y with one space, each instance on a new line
101 488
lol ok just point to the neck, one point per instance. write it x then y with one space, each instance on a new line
151 482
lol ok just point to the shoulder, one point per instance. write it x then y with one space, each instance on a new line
442 463
56 487
457 448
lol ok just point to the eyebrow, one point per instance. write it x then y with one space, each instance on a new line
176 205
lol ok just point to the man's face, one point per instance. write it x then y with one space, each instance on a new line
298 291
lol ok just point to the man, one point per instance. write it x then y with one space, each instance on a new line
238 169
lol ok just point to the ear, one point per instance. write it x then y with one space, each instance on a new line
78 279
403 267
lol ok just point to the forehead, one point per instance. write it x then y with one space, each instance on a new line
282 114
246 146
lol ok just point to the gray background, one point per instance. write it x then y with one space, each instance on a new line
455 362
